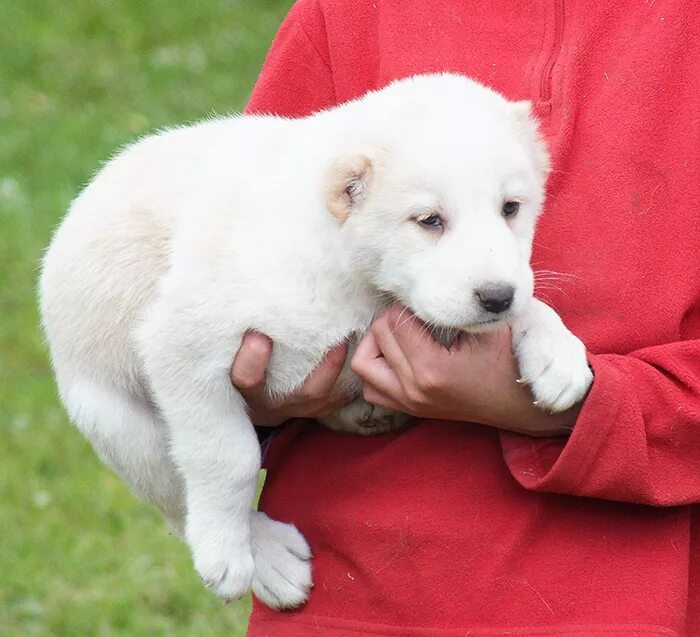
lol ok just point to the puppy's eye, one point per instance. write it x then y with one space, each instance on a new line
432 221
510 208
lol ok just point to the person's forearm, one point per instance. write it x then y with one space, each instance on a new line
518 413
636 436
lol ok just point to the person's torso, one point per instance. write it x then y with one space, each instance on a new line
426 532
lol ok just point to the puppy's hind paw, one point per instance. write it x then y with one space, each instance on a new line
228 578
359 417
282 558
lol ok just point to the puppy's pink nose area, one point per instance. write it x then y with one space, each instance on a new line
495 297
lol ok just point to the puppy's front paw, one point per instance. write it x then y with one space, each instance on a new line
552 361
224 564
282 563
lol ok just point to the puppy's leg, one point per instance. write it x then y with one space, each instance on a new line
217 451
212 440
551 359
188 342
128 437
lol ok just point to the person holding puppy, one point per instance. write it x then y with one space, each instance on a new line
489 516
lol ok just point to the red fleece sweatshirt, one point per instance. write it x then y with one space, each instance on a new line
456 529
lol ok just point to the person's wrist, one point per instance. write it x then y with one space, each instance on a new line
269 417
515 411
537 423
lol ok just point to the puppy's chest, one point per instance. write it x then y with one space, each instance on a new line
302 293
307 334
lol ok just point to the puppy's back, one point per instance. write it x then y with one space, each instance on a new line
109 251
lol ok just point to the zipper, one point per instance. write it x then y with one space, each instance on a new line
546 80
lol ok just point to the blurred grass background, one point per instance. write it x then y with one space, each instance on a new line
78 554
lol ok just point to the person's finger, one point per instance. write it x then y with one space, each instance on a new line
321 381
374 397
328 407
366 352
252 359
411 338
391 351
370 365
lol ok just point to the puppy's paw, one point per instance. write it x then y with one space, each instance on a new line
359 417
552 361
224 564
282 563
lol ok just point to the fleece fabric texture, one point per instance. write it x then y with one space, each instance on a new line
452 528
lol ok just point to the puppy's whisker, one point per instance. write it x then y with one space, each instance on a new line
405 309
424 329
548 286
548 280
411 318
554 273
545 298
553 277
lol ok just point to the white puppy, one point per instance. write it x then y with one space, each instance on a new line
426 191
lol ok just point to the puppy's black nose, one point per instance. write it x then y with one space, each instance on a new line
495 297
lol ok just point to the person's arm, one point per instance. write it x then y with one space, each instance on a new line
296 79
635 438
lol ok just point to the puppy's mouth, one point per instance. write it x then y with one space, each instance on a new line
447 336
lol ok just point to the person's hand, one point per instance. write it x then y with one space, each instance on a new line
315 399
404 369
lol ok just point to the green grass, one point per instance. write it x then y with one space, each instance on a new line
78 554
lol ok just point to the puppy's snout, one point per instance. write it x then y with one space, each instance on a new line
495 297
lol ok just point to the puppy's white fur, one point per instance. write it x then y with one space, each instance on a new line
300 229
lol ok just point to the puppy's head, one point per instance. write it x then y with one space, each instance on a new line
439 199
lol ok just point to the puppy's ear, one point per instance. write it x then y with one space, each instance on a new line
528 128
348 183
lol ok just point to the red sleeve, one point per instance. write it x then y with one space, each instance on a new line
296 79
637 438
